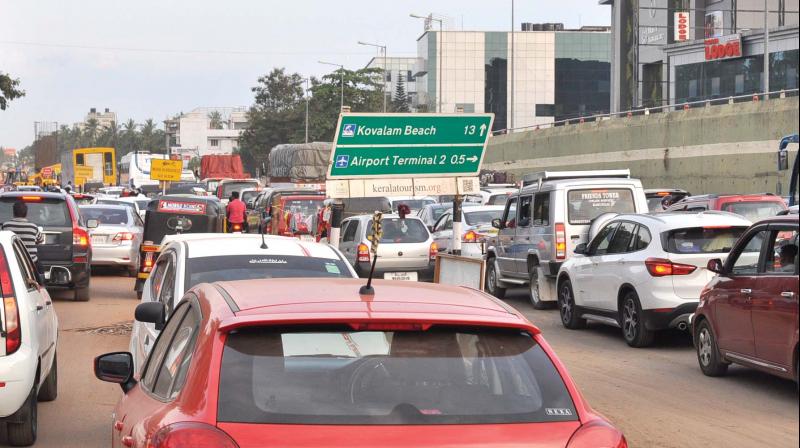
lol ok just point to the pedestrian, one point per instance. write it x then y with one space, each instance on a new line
235 211
27 231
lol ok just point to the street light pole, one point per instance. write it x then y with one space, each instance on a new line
438 58
511 98
383 48
306 95
341 67
766 50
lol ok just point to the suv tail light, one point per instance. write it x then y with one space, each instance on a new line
363 253
195 435
10 307
123 236
661 267
434 251
597 433
236 227
561 241
148 257
80 237
470 237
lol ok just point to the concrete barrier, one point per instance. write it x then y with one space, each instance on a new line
729 148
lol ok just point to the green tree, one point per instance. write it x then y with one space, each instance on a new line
129 138
9 90
400 100
91 131
109 135
215 120
362 92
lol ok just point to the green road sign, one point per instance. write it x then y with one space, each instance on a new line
420 145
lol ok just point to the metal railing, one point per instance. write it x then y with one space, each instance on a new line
681 106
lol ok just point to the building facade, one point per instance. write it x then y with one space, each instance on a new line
104 119
525 78
206 130
397 68
648 33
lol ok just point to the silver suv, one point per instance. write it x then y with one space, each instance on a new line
406 250
544 221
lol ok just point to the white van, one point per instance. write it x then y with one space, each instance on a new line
545 219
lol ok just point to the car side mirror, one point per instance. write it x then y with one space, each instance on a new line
497 223
152 312
92 223
580 249
117 368
715 265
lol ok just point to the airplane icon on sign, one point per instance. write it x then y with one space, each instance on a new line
342 161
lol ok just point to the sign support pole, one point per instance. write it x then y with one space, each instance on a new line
457 224
337 210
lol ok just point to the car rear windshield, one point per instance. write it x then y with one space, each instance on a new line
702 240
585 205
106 216
482 217
396 230
246 267
230 187
340 376
44 212
498 199
753 210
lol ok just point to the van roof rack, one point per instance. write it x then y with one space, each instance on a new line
533 178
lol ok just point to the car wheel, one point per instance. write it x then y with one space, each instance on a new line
636 335
49 389
566 307
81 294
24 432
707 351
534 292
492 280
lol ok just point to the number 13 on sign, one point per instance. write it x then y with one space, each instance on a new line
472 129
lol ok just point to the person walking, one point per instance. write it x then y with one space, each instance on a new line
27 231
235 211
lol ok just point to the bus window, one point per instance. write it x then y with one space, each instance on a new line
108 164
79 159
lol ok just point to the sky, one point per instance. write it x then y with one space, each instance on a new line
155 58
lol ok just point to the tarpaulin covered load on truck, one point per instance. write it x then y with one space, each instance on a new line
222 166
302 162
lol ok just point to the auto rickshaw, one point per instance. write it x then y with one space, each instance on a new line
172 215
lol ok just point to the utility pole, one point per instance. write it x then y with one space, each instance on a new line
766 50
341 68
511 98
306 95
440 40
383 48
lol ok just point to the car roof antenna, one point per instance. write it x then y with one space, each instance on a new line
375 238
263 240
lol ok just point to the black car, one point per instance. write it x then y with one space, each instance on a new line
65 255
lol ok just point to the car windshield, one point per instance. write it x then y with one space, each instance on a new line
753 210
230 187
482 217
301 214
106 216
702 240
247 195
44 212
246 267
396 230
498 199
130 205
654 204
413 204
340 376
585 205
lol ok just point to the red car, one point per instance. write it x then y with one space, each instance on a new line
315 363
748 312
751 206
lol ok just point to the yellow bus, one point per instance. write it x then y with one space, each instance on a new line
94 165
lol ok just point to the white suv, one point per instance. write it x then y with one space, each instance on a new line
644 273
28 333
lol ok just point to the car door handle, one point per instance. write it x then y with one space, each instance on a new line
127 441
787 294
118 425
746 291
48 303
39 307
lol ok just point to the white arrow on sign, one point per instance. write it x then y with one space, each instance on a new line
473 159
483 129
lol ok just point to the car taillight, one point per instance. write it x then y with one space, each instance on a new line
195 435
660 267
597 433
80 237
561 241
363 252
123 236
470 237
236 227
434 251
10 307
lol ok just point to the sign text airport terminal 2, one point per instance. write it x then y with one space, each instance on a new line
420 145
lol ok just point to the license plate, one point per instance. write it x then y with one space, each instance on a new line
405 276
98 239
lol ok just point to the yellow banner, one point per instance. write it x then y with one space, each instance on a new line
169 170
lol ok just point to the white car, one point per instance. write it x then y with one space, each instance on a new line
190 259
644 273
138 203
28 334
476 229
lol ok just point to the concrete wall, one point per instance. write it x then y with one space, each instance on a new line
716 149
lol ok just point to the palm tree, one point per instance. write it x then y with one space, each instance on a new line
215 120
90 131
148 128
108 137
130 138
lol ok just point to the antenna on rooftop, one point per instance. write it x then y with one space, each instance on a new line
375 238
263 226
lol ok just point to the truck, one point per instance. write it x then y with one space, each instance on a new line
297 164
222 166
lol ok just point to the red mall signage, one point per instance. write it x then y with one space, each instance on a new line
725 47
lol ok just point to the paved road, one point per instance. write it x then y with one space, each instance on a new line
657 395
